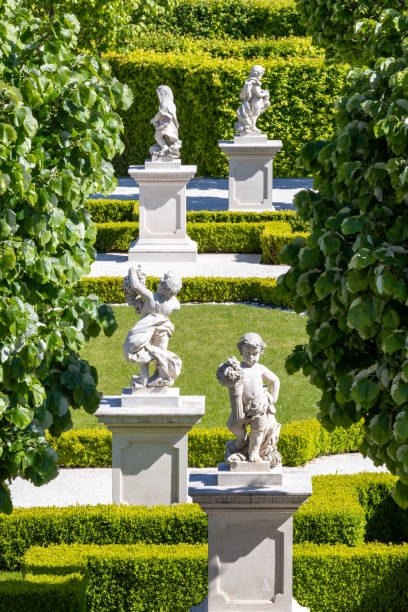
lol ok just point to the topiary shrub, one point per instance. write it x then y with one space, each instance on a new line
350 275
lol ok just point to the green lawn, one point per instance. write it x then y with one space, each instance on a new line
205 336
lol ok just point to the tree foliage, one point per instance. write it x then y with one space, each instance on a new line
351 274
331 23
105 25
58 129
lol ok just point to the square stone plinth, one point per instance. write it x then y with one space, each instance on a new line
150 444
250 162
250 543
162 213
246 473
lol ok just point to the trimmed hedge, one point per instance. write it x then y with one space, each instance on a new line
198 289
369 578
235 18
272 239
105 210
210 237
125 577
250 48
47 592
325 577
333 514
206 92
110 524
299 442
239 237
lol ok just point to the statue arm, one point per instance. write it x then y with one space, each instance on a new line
273 382
138 287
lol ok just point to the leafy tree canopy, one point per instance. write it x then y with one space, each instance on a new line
331 23
351 274
105 25
58 129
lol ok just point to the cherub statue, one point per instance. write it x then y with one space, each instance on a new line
251 404
147 340
254 101
166 124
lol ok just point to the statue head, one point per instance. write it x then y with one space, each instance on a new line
257 71
165 94
251 340
170 284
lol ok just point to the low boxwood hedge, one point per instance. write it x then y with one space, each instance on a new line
300 441
149 577
368 578
197 289
210 237
335 513
48 593
124 577
267 237
105 210
101 524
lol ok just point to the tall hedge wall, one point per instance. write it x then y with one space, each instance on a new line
235 18
206 92
247 48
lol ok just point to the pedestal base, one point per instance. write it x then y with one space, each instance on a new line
162 213
149 444
250 160
203 607
246 474
250 542
161 250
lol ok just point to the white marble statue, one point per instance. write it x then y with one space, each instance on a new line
147 340
167 147
254 101
251 404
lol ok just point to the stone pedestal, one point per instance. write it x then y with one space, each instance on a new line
248 474
149 444
250 160
162 213
250 543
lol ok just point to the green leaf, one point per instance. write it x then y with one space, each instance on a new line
365 391
400 494
380 428
362 259
401 426
6 506
324 285
21 416
394 342
399 392
352 225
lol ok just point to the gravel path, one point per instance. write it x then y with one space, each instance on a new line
237 265
93 486
212 194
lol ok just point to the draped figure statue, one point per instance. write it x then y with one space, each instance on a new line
147 341
167 145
